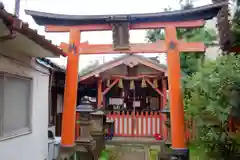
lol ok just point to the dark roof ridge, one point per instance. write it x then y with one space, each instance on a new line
68 16
203 12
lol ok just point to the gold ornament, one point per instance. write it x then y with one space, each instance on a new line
132 86
143 84
108 83
120 83
155 83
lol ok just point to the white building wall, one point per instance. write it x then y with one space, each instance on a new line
32 146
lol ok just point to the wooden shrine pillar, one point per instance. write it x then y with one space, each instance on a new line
175 94
70 93
99 94
164 103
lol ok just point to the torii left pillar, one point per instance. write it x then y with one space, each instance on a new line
70 97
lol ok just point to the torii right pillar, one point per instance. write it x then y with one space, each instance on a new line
180 151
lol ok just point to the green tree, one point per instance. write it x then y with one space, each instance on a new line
213 96
189 61
211 92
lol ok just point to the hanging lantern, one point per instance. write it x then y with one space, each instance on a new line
143 84
108 83
120 83
132 86
155 83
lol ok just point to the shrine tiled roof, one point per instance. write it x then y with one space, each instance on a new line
204 12
118 61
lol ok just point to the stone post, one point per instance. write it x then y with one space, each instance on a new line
165 154
166 111
85 144
109 126
98 131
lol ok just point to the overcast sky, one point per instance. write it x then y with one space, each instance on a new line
91 7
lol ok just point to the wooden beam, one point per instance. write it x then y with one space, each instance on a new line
156 89
175 93
70 93
105 27
190 46
111 85
65 47
164 103
77 125
157 47
161 118
134 77
99 94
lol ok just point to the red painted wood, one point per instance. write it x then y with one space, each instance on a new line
105 27
132 124
151 123
137 124
146 132
111 86
77 134
155 121
128 121
142 119
146 125
122 126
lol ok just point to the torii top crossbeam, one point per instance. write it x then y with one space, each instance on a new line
190 18
120 25
200 13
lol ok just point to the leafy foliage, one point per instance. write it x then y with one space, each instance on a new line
189 61
236 24
212 97
109 154
211 91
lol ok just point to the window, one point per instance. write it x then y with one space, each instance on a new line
15 102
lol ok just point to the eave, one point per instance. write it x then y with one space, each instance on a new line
15 35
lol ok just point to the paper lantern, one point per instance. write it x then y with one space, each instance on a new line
155 83
143 84
132 86
120 83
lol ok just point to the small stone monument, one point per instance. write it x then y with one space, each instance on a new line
85 144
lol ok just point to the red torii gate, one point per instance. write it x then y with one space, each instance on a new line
169 21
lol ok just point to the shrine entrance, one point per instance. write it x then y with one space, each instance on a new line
134 93
120 26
